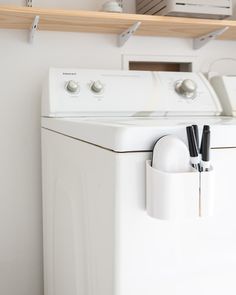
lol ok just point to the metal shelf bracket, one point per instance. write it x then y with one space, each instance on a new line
29 3
124 37
33 29
203 40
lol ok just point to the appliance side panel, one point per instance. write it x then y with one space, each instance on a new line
164 257
78 215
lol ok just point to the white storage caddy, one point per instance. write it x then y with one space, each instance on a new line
184 195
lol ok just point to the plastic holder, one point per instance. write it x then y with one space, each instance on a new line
207 193
184 195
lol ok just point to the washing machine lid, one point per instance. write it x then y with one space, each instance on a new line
139 134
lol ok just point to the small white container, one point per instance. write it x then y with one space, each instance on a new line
111 6
184 195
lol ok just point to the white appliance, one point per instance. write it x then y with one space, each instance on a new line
225 87
216 9
98 132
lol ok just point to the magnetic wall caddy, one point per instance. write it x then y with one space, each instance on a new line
184 195
121 24
174 189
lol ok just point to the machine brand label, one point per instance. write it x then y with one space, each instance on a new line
68 73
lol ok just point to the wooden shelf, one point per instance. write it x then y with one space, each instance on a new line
13 17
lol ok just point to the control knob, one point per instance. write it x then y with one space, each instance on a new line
97 86
186 88
72 86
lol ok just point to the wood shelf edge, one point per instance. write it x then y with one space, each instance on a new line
103 22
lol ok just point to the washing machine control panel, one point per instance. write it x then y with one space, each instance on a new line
73 92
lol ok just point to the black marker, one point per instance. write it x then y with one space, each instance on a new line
193 150
195 129
205 162
205 129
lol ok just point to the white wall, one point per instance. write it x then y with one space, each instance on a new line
22 70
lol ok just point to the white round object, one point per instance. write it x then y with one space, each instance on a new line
111 6
97 86
170 154
186 88
72 86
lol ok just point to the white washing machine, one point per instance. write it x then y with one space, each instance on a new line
98 131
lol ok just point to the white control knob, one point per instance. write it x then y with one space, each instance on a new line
186 88
72 86
97 86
